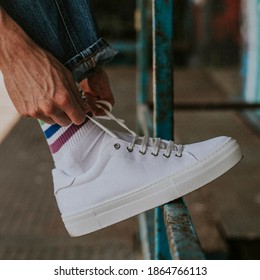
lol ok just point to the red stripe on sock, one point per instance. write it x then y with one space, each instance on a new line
55 146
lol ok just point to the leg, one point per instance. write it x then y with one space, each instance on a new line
103 177
68 31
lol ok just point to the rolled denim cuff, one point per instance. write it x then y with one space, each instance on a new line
87 61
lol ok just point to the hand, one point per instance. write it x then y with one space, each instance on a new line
97 87
37 83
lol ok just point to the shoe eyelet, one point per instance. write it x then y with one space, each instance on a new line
143 153
129 150
155 155
117 146
178 155
166 156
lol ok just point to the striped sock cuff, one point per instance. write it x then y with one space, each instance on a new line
59 137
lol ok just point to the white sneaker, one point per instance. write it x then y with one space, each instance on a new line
134 174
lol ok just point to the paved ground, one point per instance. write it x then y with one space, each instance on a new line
226 213
8 113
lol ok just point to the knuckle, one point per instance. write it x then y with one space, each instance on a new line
63 101
49 110
30 114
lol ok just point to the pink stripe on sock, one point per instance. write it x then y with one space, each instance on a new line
55 146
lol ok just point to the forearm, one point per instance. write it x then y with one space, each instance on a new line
5 30
37 83
66 29
14 42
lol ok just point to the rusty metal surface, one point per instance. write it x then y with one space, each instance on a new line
163 67
163 117
163 96
142 50
182 238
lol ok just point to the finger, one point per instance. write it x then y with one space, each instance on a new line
46 120
77 96
91 101
40 116
71 103
98 86
84 86
101 85
61 119
81 100
110 99
74 111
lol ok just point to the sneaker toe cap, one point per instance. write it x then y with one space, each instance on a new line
209 147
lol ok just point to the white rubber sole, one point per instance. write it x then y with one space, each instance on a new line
157 194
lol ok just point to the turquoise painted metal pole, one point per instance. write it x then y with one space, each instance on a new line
146 220
251 58
142 51
182 237
252 38
173 216
163 67
163 97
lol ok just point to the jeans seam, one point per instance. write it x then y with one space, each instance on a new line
90 56
66 26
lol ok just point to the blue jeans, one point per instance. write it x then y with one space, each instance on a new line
65 28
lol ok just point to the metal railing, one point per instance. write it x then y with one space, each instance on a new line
167 232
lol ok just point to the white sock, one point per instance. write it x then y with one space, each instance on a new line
74 148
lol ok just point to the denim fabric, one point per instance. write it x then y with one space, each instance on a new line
66 29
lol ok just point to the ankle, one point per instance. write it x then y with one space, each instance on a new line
79 154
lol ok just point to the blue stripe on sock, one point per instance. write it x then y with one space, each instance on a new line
51 130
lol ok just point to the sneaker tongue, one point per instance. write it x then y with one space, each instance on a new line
163 144
150 143
124 136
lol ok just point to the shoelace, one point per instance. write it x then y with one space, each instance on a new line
156 142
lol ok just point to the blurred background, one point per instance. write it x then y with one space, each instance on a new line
216 84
